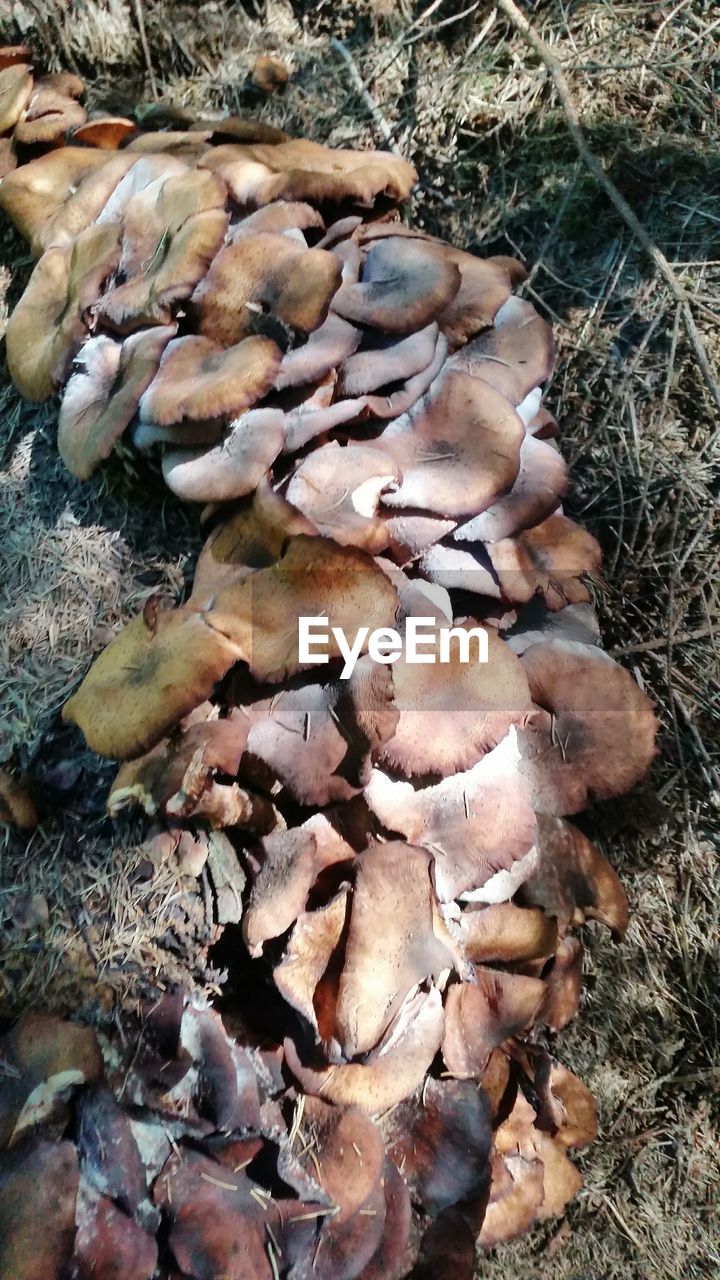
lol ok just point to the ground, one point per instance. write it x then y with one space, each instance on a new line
464 96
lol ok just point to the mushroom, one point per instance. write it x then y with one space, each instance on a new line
324 350
199 380
550 559
481 1015
264 273
536 623
403 287
506 933
50 322
458 448
314 578
142 172
278 217
269 73
106 132
573 881
594 732
563 985
394 361
538 488
160 667
515 355
107 1241
33 194
236 465
51 111
339 491
154 779
478 824
16 86
448 1249
103 393
39 1185
17 807
306 969
393 899
441 1138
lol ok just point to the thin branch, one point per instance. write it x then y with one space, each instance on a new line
557 75
146 49
378 118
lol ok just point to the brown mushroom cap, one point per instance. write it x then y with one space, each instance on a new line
152 780
595 734
403 287
458 449
265 272
103 393
32 194
507 933
315 577
479 1016
236 465
392 1071
573 881
269 73
106 132
395 361
536 623
86 201
393 900
568 1110
447 1251
49 324
198 379
142 172
298 169
535 495
151 675
253 537
308 959
325 349
339 489
39 1185
188 146
49 114
479 825
16 86
563 985
11 54
17 807
549 559
280 216
451 713
515 355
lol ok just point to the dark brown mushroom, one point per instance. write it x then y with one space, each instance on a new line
403 287
481 1015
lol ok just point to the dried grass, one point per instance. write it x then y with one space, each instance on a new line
465 97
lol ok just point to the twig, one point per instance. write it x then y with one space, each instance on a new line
557 75
649 646
377 116
146 49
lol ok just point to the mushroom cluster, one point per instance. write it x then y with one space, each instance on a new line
166 1148
358 406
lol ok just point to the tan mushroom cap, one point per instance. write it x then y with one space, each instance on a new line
172 231
393 903
538 489
49 324
394 361
458 448
403 287
479 825
150 676
515 355
480 1016
17 807
16 86
305 971
573 881
506 933
563 985
106 132
36 191
188 147
269 73
568 1110
315 577
86 202
392 1071
11 54
280 216
298 169
199 380
549 559
452 713
49 115
142 172
233 467
339 489
103 393
595 735
253 537
42 1050
263 273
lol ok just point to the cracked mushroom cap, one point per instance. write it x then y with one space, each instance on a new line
339 490
452 712
594 735
37 191
51 111
314 578
394 900
403 287
265 274
458 448
549 559
50 322
102 395
159 668
199 380
479 825
16 86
